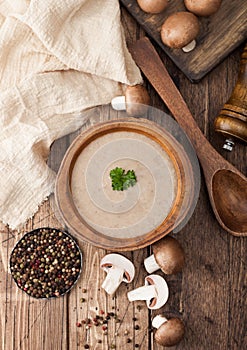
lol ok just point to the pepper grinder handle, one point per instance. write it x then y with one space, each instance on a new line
232 119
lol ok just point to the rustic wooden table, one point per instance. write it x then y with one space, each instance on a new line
210 293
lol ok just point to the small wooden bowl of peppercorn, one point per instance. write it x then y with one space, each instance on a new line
124 184
46 263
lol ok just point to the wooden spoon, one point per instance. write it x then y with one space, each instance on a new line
227 187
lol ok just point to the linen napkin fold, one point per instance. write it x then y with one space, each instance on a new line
57 59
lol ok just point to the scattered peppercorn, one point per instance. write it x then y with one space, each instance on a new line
45 263
136 345
134 319
128 340
136 327
86 346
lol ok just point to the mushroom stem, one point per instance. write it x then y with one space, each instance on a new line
158 321
189 47
113 279
119 103
135 101
151 264
142 293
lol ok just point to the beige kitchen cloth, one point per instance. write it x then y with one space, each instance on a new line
57 59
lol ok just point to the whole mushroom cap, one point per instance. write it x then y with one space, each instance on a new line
202 7
152 6
170 332
179 29
169 255
137 100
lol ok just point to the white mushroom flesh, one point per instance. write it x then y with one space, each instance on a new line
118 103
158 321
162 291
118 269
143 293
151 264
189 47
113 279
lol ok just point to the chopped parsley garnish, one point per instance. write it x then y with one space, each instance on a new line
121 180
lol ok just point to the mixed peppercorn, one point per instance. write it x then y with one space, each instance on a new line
101 318
46 263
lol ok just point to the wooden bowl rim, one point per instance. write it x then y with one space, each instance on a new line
63 195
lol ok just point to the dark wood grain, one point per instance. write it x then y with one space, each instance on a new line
219 34
209 294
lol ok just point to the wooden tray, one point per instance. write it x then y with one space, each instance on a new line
220 34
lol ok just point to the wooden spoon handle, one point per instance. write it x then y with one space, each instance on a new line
151 65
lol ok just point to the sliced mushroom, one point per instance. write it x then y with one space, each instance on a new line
135 101
119 269
169 332
153 6
202 7
168 255
155 292
180 30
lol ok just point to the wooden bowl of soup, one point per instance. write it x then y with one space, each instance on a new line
133 218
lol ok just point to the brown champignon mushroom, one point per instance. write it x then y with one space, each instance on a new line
180 30
135 101
168 255
202 7
169 332
152 6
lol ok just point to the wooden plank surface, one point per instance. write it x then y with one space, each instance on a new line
210 293
219 34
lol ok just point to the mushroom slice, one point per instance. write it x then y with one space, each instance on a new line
180 30
168 255
119 269
155 292
135 101
169 332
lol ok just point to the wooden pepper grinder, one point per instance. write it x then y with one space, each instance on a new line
232 120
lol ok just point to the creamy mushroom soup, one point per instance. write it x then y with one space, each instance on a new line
132 212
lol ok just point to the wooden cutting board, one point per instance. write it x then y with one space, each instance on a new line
219 34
